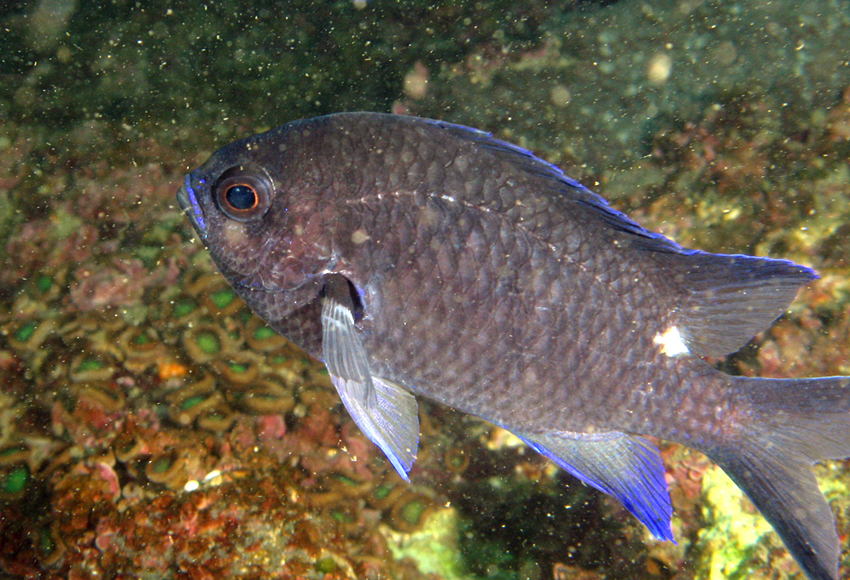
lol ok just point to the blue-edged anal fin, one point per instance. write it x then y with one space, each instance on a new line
628 467
387 413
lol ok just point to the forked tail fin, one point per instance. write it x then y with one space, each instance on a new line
792 425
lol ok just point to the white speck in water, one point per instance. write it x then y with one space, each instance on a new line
212 475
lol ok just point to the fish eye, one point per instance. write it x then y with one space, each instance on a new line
241 197
243 193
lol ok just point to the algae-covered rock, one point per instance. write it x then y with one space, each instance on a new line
434 546
737 541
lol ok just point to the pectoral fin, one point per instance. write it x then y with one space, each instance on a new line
625 466
344 354
386 413
392 425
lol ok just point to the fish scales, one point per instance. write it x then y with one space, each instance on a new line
450 254
415 257
431 309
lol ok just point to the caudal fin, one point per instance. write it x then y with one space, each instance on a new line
793 425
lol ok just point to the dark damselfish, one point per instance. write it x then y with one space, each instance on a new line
416 257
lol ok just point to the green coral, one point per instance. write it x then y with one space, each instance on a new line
15 480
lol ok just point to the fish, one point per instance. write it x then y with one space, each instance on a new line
419 258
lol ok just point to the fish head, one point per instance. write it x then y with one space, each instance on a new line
255 213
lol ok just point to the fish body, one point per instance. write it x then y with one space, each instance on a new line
416 257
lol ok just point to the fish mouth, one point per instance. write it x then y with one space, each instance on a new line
188 202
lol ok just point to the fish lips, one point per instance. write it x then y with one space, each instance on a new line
190 206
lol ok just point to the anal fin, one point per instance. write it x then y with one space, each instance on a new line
628 467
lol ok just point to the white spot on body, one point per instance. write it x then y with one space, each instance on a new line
234 233
360 236
671 342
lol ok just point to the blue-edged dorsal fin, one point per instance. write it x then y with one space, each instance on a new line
628 467
566 186
730 298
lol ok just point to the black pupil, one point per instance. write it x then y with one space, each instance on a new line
241 197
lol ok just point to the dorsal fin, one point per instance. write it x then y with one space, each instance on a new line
730 298
568 187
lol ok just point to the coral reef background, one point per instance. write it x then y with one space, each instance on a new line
152 427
